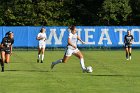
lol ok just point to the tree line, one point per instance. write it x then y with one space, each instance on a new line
69 12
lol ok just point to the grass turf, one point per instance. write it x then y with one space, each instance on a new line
111 73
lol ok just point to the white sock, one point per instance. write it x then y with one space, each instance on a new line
58 61
38 56
42 57
82 63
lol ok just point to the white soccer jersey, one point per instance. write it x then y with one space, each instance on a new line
73 40
42 35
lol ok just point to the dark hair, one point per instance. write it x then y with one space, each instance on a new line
41 30
128 30
72 27
8 33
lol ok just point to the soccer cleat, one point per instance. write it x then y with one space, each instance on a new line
2 69
52 65
130 57
85 70
127 58
37 60
41 61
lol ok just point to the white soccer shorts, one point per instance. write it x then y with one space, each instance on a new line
42 45
69 52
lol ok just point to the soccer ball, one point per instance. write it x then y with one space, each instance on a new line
89 69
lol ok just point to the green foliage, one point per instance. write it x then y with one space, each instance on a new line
35 12
68 12
116 11
135 17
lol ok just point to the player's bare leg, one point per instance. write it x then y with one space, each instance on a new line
80 56
2 60
130 50
7 58
64 60
127 53
39 51
42 57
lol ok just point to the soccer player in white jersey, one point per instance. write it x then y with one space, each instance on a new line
72 49
41 37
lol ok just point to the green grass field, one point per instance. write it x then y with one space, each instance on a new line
111 73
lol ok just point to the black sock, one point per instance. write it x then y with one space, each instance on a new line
2 66
126 55
129 54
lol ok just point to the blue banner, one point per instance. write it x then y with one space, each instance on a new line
94 36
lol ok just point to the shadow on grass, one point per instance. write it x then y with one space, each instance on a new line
108 75
27 70
116 75
24 62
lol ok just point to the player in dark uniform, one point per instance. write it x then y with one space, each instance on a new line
128 39
6 48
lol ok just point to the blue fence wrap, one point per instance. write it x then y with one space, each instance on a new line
94 36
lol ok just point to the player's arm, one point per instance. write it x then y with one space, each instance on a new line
131 40
124 39
45 37
80 40
1 45
11 48
39 38
69 43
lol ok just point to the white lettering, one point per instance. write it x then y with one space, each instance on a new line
58 40
120 35
138 37
104 33
87 36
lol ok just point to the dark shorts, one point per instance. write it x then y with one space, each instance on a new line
6 50
128 45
